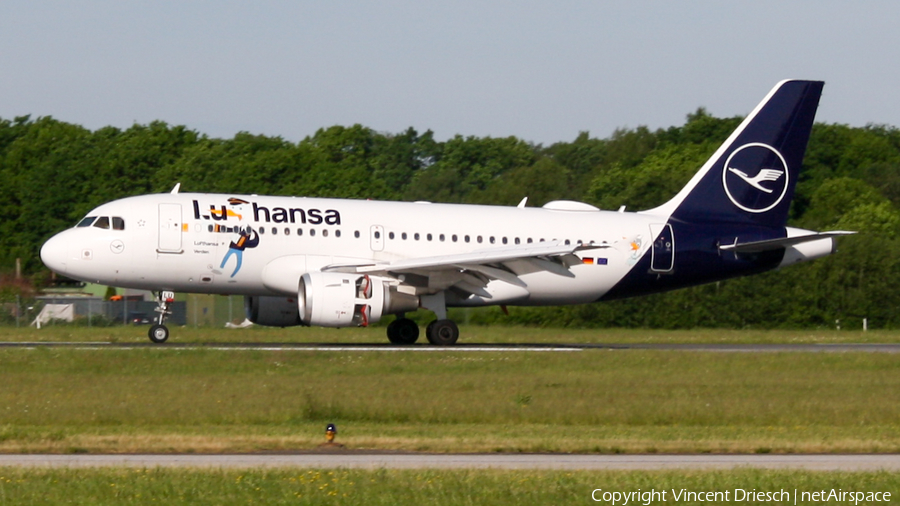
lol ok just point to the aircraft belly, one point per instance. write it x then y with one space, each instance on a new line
588 283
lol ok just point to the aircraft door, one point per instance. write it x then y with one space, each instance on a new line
170 228
663 253
376 238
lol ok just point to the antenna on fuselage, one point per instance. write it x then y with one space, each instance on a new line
522 203
175 190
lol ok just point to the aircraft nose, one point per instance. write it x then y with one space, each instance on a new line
54 254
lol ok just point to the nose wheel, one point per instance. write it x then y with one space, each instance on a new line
159 333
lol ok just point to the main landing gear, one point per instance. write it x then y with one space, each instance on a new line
405 331
159 333
442 332
402 331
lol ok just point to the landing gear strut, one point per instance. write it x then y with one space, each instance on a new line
159 333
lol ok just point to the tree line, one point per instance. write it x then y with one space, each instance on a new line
53 172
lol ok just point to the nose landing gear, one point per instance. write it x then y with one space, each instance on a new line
159 333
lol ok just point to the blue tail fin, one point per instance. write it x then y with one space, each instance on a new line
751 177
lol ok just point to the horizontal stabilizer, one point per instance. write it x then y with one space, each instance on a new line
774 244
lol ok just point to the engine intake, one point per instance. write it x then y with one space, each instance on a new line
272 311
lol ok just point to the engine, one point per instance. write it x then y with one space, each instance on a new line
334 299
272 311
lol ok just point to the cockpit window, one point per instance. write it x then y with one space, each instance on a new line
86 221
102 222
118 223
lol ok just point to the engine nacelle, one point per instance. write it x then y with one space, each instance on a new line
336 299
272 311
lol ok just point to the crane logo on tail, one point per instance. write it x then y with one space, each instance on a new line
764 175
755 177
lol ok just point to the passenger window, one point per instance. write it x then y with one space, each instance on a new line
86 222
325 233
287 231
312 232
403 236
390 235
102 222
337 233
274 231
356 234
299 231
479 239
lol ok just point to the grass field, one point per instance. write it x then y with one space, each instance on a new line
400 487
172 400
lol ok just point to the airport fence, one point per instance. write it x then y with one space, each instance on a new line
188 310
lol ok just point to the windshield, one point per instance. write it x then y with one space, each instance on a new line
86 222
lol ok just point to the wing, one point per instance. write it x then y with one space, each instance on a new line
471 272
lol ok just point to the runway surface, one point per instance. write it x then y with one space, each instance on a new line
473 347
467 461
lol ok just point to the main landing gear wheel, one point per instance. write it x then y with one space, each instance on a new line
159 333
442 332
403 331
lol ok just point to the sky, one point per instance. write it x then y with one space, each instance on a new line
540 71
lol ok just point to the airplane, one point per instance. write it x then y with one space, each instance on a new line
339 263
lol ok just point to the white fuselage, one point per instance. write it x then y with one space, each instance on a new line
178 242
